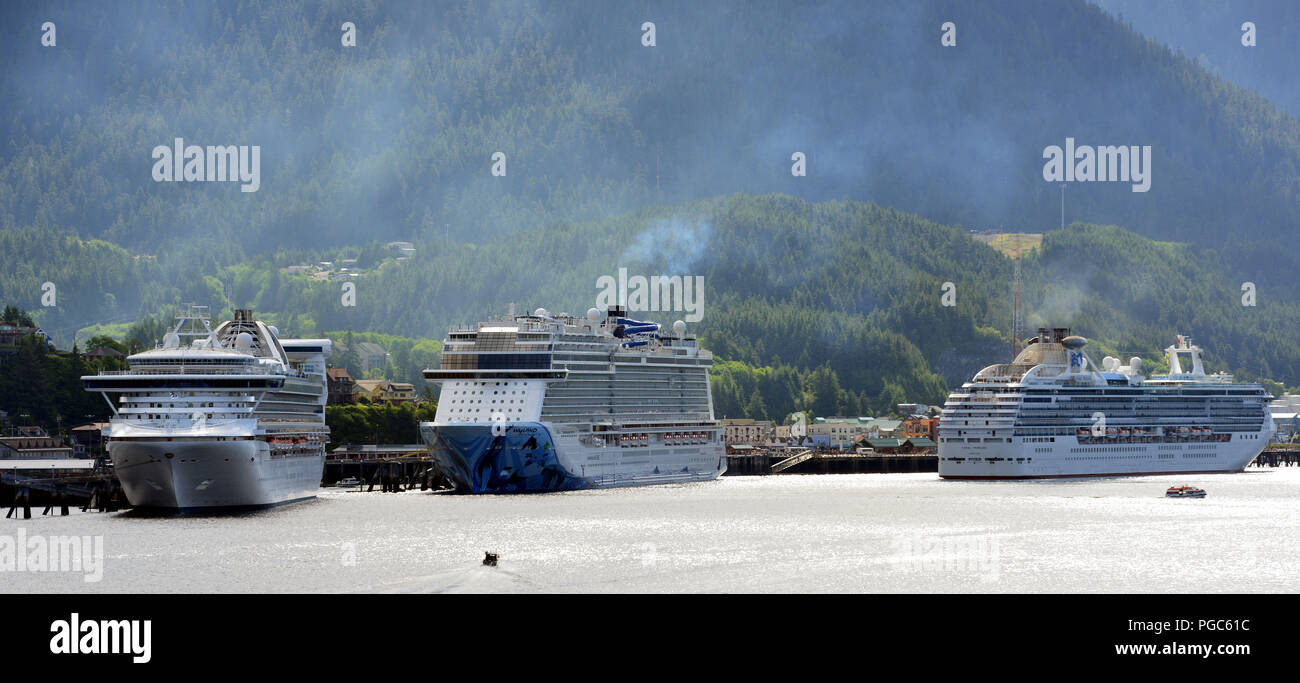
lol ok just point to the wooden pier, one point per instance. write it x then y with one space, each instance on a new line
1278 455
97 491
813 462
393 469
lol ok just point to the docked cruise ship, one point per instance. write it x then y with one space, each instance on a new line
548 402
1052 413
231 417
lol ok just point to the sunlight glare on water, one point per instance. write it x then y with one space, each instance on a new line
786 533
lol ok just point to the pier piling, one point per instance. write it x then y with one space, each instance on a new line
808 461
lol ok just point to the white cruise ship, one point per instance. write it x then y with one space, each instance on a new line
1052 413
556 402
231 417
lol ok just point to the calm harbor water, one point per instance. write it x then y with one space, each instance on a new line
816 533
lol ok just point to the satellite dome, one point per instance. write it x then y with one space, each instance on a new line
679 327
1135 363
593 315
1109 363
171 340
244 342
1074 342
542 313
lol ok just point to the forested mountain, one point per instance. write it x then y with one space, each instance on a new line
675 159
393 138
845 296
1210 32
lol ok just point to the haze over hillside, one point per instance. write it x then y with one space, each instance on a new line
1209 31
393 138
673 159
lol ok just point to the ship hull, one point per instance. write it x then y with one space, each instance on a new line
529 458
1066 458
209 474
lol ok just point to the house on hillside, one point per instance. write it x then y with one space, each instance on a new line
385 391
102 352
341 386
12 335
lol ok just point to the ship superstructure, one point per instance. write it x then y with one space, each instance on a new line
1052 413
230 417
548 402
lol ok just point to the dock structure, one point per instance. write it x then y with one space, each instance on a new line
800 457
808 461
393 468
1278 455
89 482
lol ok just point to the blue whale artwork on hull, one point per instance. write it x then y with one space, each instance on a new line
520 459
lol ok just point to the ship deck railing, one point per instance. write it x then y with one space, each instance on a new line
207 370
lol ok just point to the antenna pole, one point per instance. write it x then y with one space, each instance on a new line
1017 322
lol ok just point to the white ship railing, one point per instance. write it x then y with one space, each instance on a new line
204 370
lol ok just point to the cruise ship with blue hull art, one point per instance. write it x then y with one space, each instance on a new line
548 402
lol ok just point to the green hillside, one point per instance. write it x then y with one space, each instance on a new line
837 306
393 138
666 160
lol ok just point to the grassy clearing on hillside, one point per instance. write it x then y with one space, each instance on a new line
1013 244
